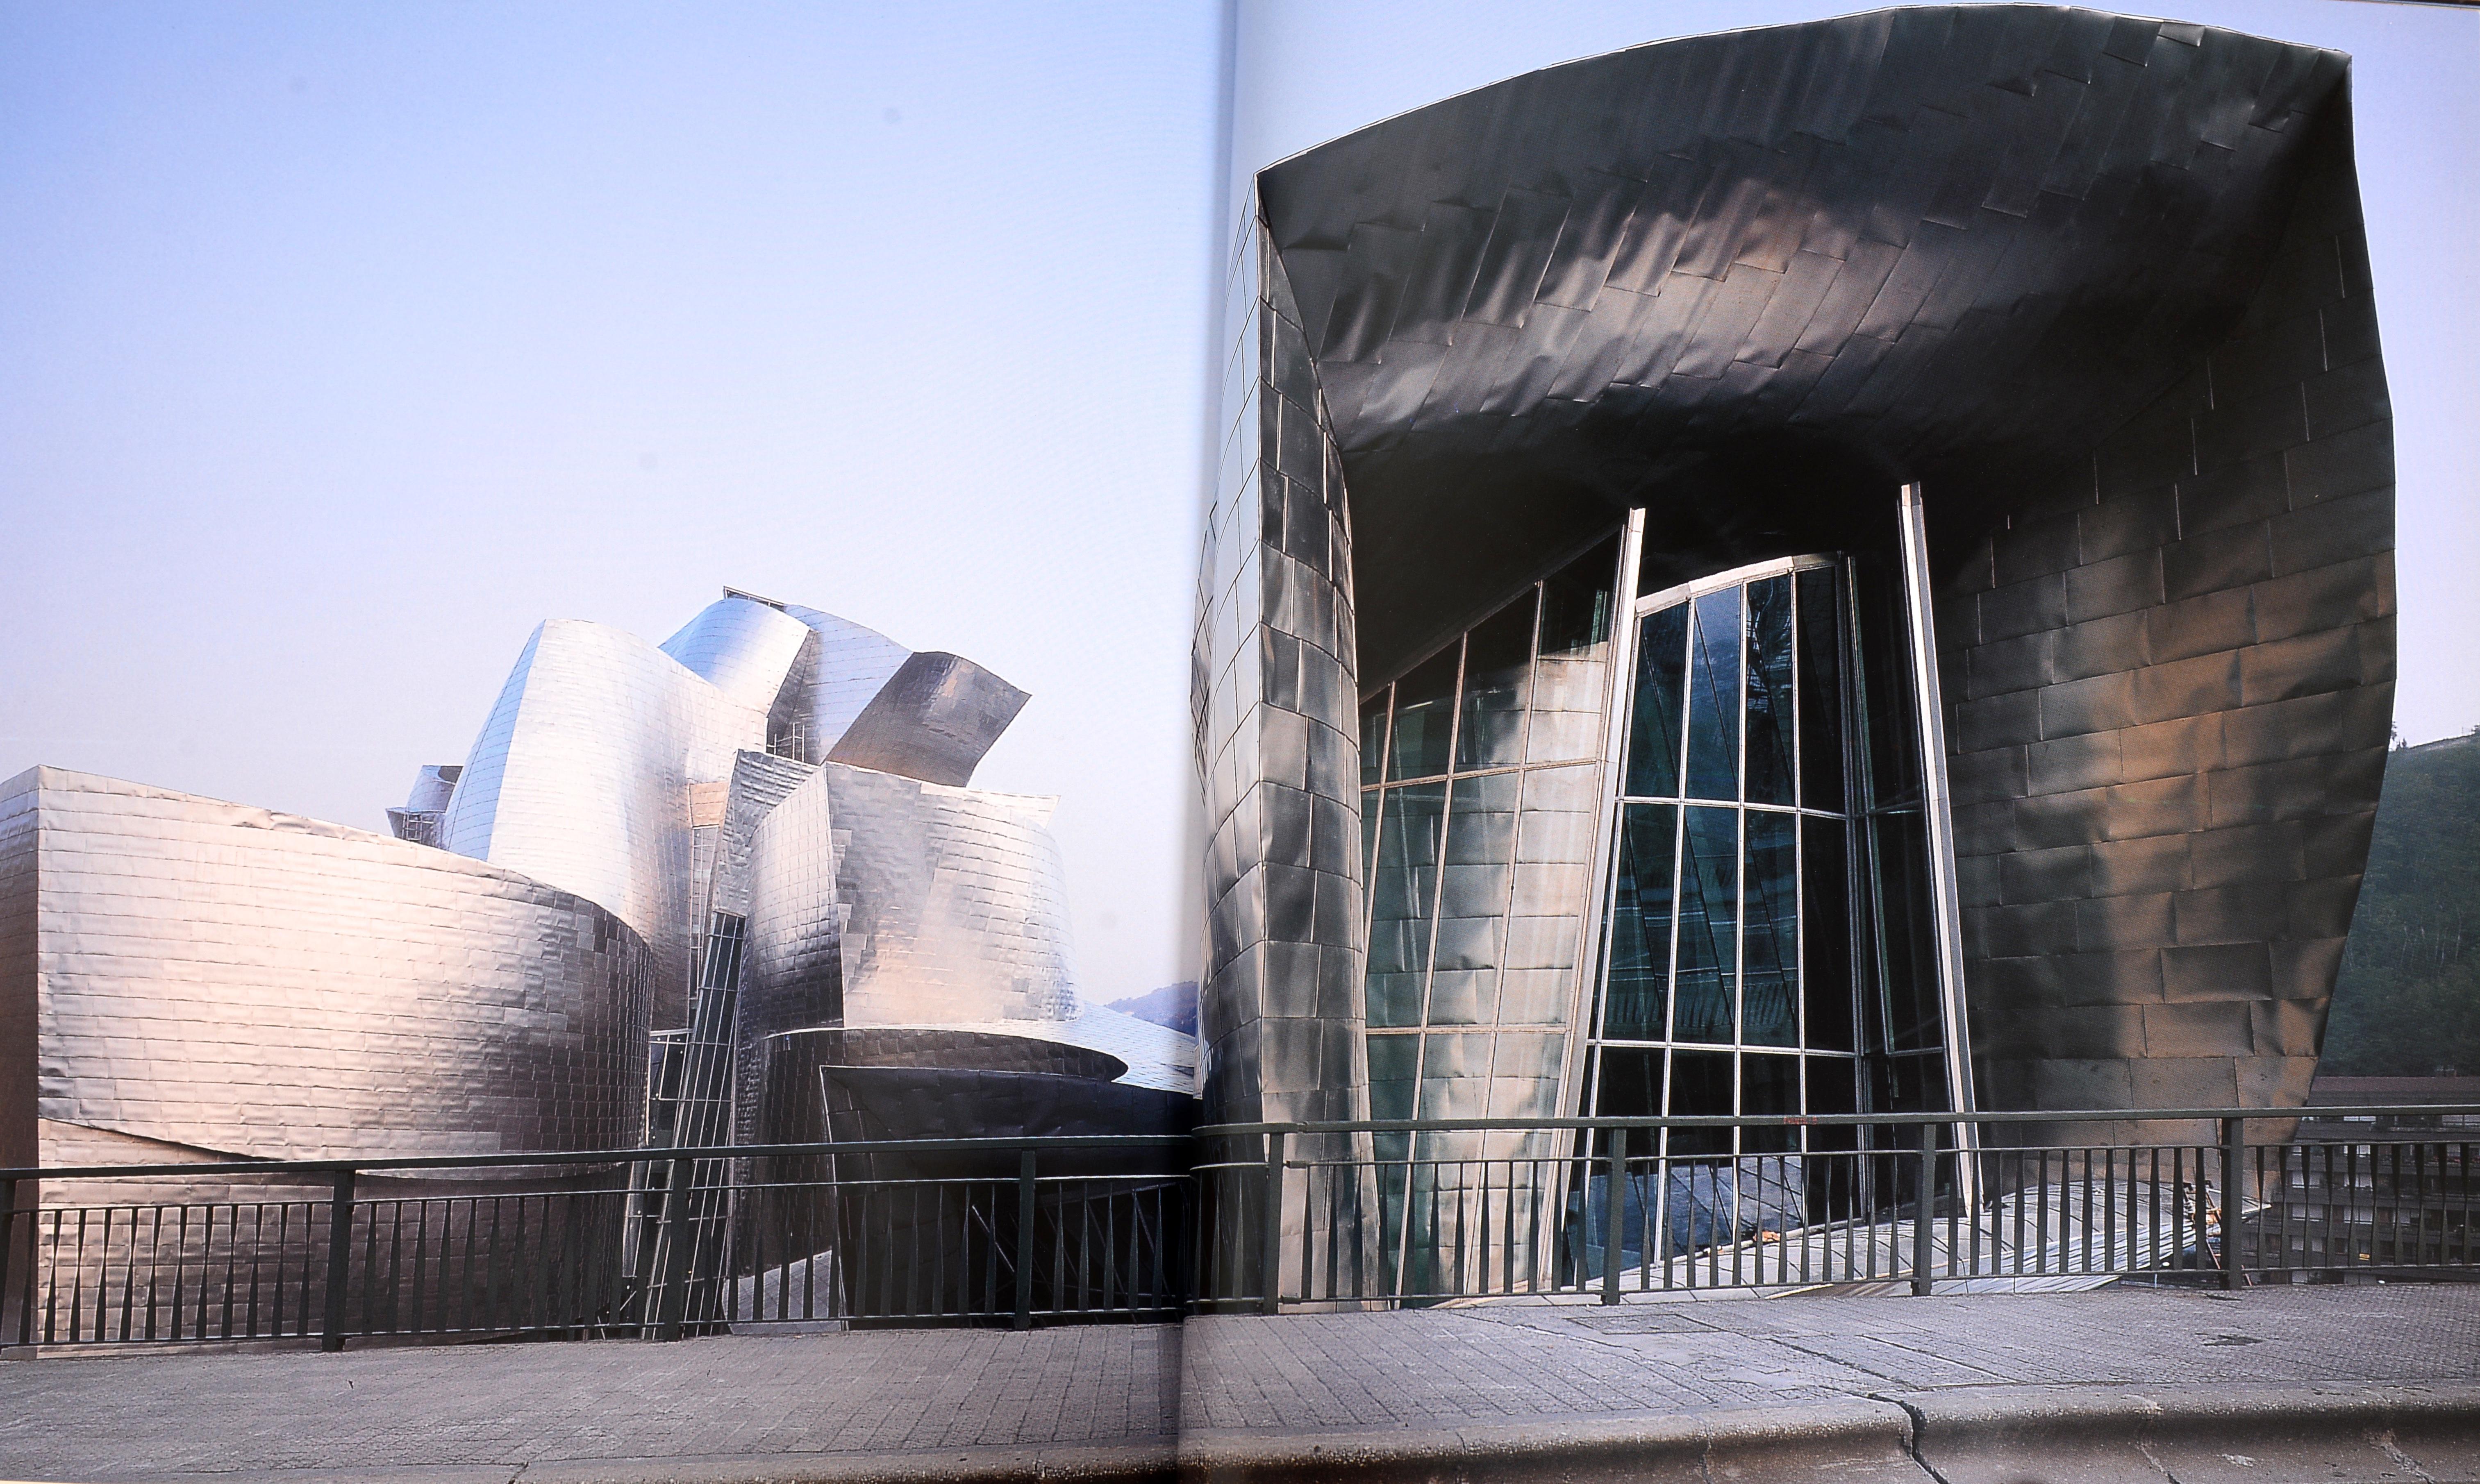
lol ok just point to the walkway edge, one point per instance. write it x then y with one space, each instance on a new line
2264 1433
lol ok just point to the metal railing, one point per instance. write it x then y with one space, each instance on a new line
1257 1217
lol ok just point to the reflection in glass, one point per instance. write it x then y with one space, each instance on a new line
1708 926
1472 907
1653 732
1640 951
1769 974
1702 1086
1769 1085
1404 894
1498 668
1394 1069
1821 691
1770 701
1424 717
1713 696
1576 603
1373 738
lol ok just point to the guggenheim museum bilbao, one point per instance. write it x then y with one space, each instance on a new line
1844 567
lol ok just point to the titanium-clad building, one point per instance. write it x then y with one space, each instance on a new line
1839 567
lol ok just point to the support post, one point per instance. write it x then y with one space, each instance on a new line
1270 1239
339 1260
7 1248
1614 1213
2233 1200
1028 1196
1923 1209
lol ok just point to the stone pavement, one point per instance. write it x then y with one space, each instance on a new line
2377 1382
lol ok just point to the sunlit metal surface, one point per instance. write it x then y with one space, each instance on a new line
234 980
848 666
2098 284
741 647
933 720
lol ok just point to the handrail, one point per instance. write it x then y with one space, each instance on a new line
1825 1121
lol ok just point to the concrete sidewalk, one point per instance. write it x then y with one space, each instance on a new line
2267 1385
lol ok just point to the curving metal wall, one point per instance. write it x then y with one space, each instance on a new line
741 647
230 979
581 777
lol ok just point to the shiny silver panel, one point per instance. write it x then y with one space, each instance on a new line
933 720
848 666
582 780
234 980
743 647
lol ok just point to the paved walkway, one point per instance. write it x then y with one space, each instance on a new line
1847 1387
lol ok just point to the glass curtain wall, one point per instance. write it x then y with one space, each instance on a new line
1481 786
1728 982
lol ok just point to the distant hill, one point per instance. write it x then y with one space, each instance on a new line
2408 1002
1172 1005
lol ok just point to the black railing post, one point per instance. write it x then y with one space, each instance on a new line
2233 1198
1270 1237
1925 1204
7 1248
339 1260
1028 1196
1614 1213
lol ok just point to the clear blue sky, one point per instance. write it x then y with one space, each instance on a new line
346 342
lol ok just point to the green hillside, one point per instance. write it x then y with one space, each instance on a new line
2409 1001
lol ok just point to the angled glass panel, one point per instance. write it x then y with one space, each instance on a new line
1708 926
1425 709
1770 980
1373 737
1821 689
1770 724
1825 937
1404 892
1660 680
1394 1072
1769 1086
1480 863
1633 1003
1713 696
1497 686
1576 603
1702 1086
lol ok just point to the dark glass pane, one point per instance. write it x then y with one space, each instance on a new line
1631 1087
1834 1087
1709 924
1770 978
1369 835
1653 733
1770 1087
1425 705
1825 944
1906 932
1769 702
1700 1087
1892 728
1404 892
1480 864
1641 923
1714 696
1910 1084
1821 691
1373 737
1498 667
1393 1073
1576 601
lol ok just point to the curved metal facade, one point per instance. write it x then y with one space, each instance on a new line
581 777
233 980
2097 283
741 647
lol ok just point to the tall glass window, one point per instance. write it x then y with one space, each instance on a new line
1728 959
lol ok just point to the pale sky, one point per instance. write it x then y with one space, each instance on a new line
346 343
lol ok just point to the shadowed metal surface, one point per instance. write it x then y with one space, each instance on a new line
933 720
2098 282
234 980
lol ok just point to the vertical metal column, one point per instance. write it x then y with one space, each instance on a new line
1270 1236
1924 1208
1614 1214
1937 810
339 1260
1028 1196
2234 1183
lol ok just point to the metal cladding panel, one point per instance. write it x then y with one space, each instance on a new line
957 910
2098 283
2170 677
234 980
791 974
849 665
1933 244
744 648
933 720
1274 696
580 779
